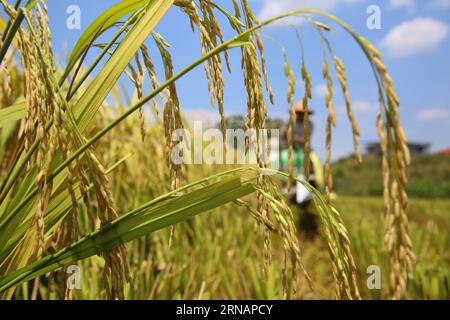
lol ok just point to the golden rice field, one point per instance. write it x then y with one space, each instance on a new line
88 182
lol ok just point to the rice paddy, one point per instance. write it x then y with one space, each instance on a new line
90 183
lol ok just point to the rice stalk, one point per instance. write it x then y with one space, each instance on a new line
340 70
394 146
171 116
137 78
151 72
65 132
331 122
305 105
290 100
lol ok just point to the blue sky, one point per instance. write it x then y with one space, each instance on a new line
414 39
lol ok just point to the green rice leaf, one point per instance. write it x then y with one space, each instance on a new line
13 113
146 219
100 87
102 23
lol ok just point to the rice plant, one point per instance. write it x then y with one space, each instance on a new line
64 170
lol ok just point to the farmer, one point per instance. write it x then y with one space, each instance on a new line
308 222
299 138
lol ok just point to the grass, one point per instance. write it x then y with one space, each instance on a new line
428 222
429 177
197 266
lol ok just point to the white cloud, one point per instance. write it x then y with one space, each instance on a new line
411 4
208 116
441 4
433 114
272 8
364 106
321 90
415 36
398 4
360 106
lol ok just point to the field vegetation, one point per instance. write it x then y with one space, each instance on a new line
429 176
87 179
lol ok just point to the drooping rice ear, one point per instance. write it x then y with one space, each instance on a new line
382 71
53 108
340 71
264 212
256 112
394 146
328 175
343 264
39 63
237 11
322 26
211 39
140 82
397 236
83 187
331 122
115 271
172 113
69 229
289 73
137 78
329 95
287 230
260 45
172 116
210 35
152 74
64 126
394 194
264 68
306 97
6 78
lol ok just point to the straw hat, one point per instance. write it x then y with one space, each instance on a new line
299 108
